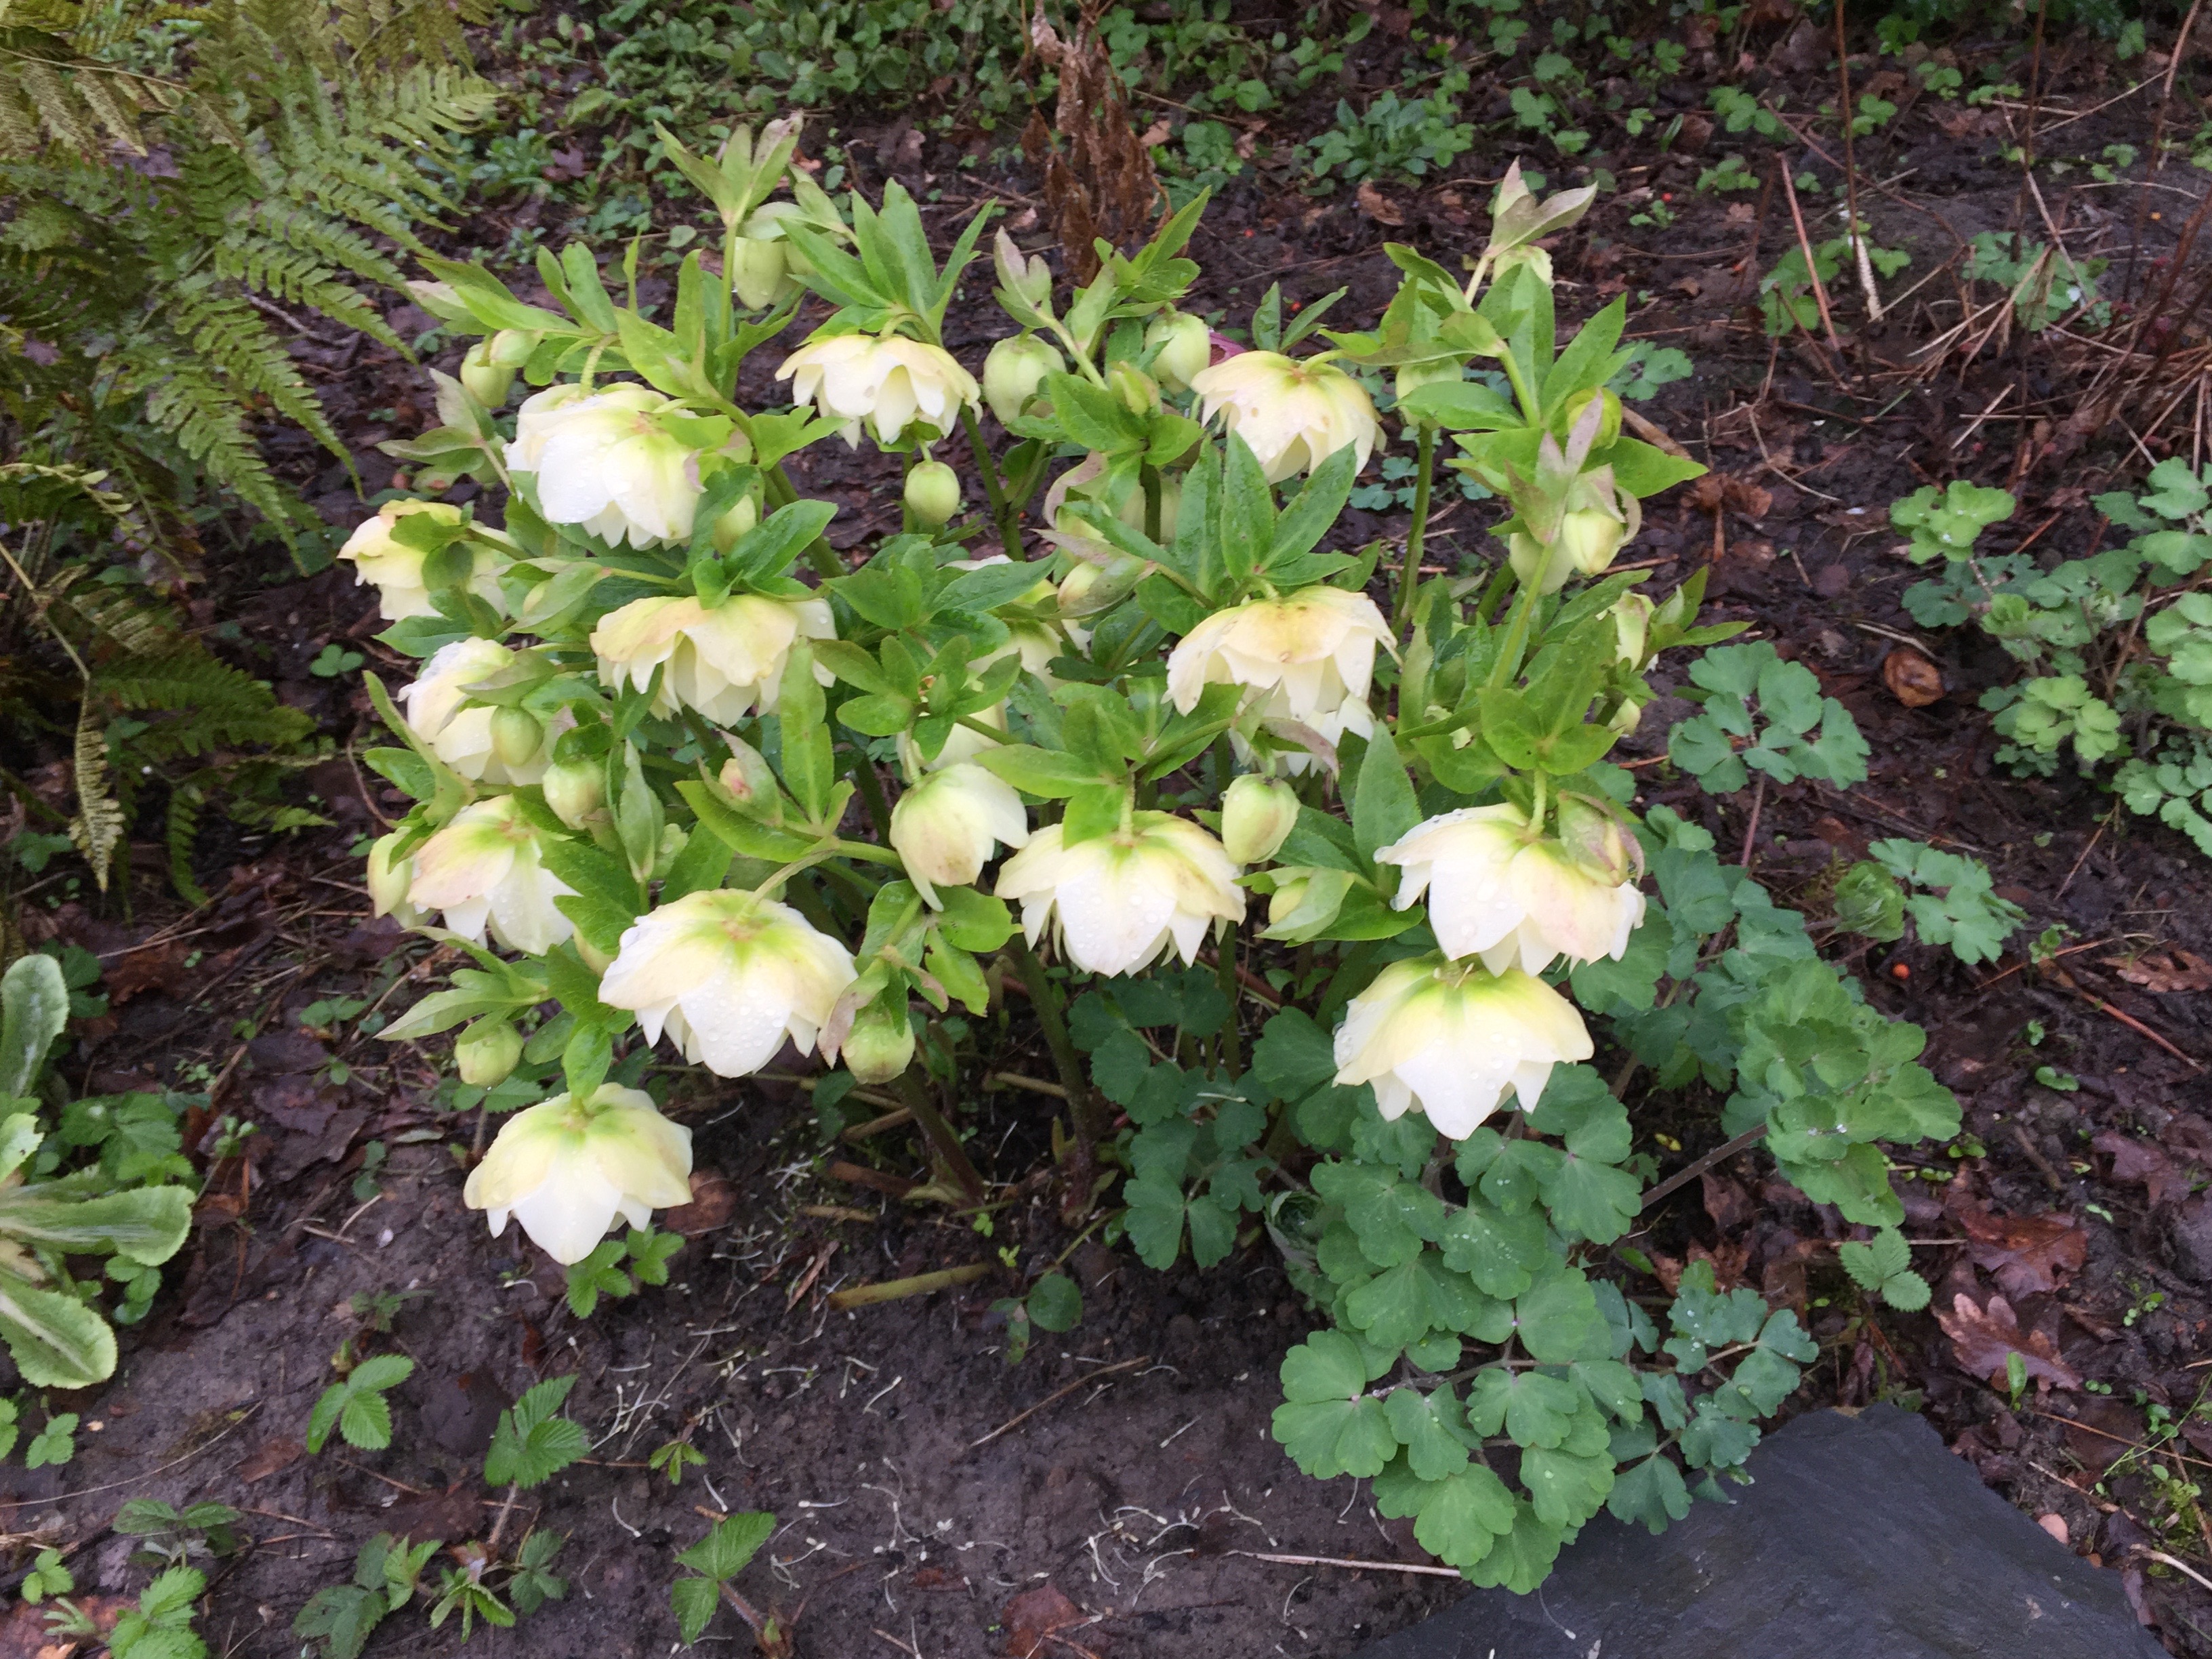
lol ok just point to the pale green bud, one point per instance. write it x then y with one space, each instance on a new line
1608 427
486 1052
1139 392
1014 370
762 271
1256 815
1185 348
516 736
510 347
881 1043
735 523
575 790
1411 377
932 493
488 381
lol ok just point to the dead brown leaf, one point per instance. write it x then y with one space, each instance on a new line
276 1454
2164 970
1911 678
2139 1161
1039 1615
1378 206
713 1201
1099 182
1985 1338
2025 1253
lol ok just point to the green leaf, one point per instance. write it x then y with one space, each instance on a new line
33 1009
1055 1304
1501 1253
1328 1423
1558 1321
1565 1490
694 1600
1534 1408
1383 807
54 1444
56 1341
1521 1560
1651 1493
531 1443
734 1542
1461 1520
1429 1426
356 1406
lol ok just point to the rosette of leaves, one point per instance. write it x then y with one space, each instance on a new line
53 1330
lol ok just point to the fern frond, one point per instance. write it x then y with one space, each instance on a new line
232 335
98 825
205 418
215 703
182 832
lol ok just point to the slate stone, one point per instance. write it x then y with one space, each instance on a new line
1861 1538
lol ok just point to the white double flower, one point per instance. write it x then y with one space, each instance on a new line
900 389
1123 900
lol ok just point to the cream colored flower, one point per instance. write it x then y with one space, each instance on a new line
947 826
484 869
730 975
459 730
567 1171
1501 890
396 569
603 462
890 383
723 661
1295 415
1308 653
1123 900
1449 1039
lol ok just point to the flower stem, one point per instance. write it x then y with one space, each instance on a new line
1409 573
1517 626
1232 1033
1151 476
994 487
1084 1117
781 492
937 1132
872 792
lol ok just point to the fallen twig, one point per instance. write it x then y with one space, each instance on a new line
1425 1568
1726 1149
1056 1395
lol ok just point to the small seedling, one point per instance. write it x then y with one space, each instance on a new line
1883 1265
672 1459
47 1576
717 1559
386 1574
54 1444
531 1444
356 1406
172 1536
618 1265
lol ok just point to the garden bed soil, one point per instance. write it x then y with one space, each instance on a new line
917 1505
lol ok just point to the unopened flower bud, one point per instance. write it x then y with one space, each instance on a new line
1608 425
880 1045
575 790
1256 815
932 493
735 522
1185 347
1631 627
746 775
1139 392
1411 377
516 736
486 1052
762 272
488 382
1282 904
1029 277
1014 370
1597 837
510 347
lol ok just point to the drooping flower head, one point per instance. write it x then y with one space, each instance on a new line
566 1172
1500 889
381 558
901 389
484 869
1449 1039
946 827
1123 900
1308 653
729 976
723 661
460 732
1294 415
603 461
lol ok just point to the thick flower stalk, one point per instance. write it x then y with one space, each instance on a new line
901 390
723 661
946 827
1309 656
1499 888
567 1170
484 869
469 736
381 559
605 464
730 975
1123 900
1294 415
1449 1039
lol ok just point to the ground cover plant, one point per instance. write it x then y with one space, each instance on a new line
1023 1345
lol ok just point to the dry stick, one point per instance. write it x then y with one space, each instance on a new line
2158 145
2035 1156
1056 1395
1812 269
2136 1025
893 1290
2102 824
1751 829
1851 178
1426 1568
1720 1154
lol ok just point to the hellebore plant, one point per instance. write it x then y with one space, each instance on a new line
1323 908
